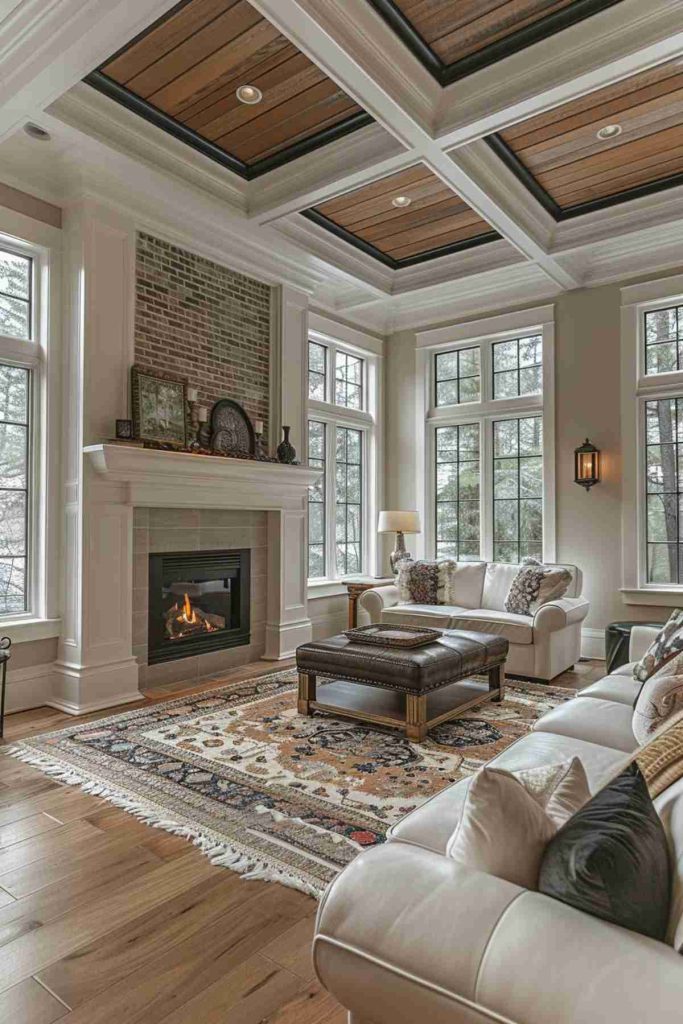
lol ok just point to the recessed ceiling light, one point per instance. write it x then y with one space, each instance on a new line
249 94
609 131
36 132
401 201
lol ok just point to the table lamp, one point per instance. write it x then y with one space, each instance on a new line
399 523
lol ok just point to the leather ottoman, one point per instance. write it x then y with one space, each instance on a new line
413 689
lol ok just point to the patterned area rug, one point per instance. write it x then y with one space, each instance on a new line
266 792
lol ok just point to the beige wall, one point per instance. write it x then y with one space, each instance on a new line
588 402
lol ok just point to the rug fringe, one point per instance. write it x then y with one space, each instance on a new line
222 855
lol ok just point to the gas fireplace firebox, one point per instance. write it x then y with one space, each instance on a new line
198 602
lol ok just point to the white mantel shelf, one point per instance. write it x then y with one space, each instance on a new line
181 479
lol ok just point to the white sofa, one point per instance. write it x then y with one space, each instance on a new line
405 934
541 645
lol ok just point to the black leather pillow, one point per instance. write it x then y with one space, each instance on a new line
611 859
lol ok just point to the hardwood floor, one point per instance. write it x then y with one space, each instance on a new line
104 919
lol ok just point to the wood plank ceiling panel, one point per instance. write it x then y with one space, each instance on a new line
567 159
435 220
188 67
453 38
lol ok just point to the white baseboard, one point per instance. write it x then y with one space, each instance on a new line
593 643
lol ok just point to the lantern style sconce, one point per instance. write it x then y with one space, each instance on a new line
586 465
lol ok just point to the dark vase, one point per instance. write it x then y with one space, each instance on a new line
286 451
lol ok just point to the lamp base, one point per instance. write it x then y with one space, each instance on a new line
399 553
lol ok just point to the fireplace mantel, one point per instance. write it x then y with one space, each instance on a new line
182 480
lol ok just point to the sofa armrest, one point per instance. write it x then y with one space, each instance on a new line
558 614
641 638
376 600
405 934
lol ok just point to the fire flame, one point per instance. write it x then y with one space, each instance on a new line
189 614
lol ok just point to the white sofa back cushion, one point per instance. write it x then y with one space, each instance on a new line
499 576
466 584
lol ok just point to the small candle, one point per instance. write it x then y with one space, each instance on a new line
258 426
192 394
202 414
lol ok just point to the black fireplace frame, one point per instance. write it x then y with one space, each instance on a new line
165 567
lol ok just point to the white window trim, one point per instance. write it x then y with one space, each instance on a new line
42 244
336 337
637 387
485 333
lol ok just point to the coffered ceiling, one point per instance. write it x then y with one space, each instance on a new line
453 38
185 71
405 218
611 145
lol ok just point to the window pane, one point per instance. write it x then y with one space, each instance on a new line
458 376
663 453
517 367
317 371
664 340
517 488
348 381
458 492
349 500
316 501
14 317
14 483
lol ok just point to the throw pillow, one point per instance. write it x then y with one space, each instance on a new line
422 582
536 584
611 859
661 759
660 697
665 646
509 817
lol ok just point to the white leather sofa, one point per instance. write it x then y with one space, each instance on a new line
541 645
406 935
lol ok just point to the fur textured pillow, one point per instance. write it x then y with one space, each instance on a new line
660 697
665 646
424 582
534 585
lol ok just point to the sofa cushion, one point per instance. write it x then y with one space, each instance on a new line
515 628
604 722
497 583
535 585
620 688
437 616
431 825
466 584
665 646
660 697
424 582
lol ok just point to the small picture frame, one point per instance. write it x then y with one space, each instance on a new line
159 405
124 430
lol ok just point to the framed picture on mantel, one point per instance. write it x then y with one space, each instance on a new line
159 404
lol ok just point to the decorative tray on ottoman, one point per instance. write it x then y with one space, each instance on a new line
393 636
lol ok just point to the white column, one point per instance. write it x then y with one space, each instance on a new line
288 623
95 667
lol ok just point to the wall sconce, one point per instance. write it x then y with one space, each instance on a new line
586 465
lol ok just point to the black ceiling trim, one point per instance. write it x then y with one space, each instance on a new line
98 80
510 158
389 261
446 74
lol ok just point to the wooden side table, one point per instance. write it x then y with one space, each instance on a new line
357 585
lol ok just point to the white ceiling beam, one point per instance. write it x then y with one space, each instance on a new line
46 46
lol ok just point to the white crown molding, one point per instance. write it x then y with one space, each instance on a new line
620 41
488 327
660 208
369 273
456 266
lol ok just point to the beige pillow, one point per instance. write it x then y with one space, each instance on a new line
509 818
660 697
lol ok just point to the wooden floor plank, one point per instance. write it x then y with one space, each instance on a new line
64 803
26 828
30 1003
293 949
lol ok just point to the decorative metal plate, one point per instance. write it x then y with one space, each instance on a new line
231 430
393 636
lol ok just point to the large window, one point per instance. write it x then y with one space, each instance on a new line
341 438
663 485
489 449
663 333
15 433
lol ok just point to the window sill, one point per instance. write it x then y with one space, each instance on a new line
21 631
667 597
325 588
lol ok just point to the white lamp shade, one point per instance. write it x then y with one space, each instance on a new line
394 522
